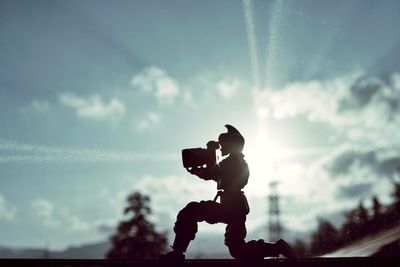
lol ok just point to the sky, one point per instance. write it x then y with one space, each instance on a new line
97 100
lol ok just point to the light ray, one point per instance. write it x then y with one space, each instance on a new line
252 41
272 43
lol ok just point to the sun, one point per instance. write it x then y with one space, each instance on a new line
264 152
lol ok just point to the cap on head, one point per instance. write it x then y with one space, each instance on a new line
232 140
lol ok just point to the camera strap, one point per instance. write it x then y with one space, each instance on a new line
219 193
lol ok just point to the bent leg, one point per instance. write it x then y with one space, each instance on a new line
235 234
186 223
256 249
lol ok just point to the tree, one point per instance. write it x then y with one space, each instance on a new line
362 214
377 221
358 223
324 239
396 193
136 237
349 228
377 208
396 204
300 247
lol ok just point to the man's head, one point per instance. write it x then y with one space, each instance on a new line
232 141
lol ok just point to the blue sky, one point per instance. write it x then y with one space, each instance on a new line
97 100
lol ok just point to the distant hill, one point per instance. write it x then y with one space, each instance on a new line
205 246
90 251
201 248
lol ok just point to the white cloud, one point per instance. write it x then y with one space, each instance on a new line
58 217
318 100
363 108
72 221
187 96
151 119
227 89
7 211
157 82
335 182
41 106
366 170
395 81
93 107
36 106
44 209
301 196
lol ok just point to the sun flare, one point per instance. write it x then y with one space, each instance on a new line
264 154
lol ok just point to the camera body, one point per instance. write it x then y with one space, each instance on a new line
196 158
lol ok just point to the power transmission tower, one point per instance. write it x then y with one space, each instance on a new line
274 225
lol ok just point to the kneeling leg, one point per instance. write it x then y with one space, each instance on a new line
186 222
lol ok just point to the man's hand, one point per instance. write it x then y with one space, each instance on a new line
202 173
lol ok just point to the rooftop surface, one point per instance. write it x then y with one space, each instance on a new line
312 262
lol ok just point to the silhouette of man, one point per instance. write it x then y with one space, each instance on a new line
231 175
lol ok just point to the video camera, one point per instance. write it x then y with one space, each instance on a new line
196 158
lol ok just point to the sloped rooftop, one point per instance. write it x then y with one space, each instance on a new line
370 245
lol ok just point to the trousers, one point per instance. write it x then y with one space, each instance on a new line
213 212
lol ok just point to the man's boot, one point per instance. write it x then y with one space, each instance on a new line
173 256
286 250
179 247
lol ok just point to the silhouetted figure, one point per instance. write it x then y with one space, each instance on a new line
231 175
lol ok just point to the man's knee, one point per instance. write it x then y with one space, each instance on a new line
235 233
237 251
189 212
234 240
186 221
